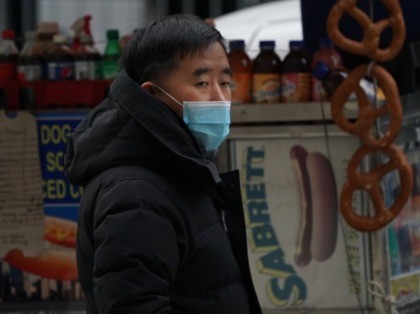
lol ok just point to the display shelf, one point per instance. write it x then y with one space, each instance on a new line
312 111
41 95
287 112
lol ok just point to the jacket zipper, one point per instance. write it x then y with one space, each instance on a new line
223 219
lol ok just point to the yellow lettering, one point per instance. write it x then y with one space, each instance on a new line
75 191
55 189
66 128
55 133
44 134
55 161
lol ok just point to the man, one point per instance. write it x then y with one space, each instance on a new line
160 231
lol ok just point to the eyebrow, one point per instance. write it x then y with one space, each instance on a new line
202 71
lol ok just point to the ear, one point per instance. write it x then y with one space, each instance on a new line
148 86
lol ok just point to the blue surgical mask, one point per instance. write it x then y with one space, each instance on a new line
208 121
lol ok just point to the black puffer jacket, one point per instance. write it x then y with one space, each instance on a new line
159 230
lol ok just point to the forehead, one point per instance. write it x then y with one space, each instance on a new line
213 59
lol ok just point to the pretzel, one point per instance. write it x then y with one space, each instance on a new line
370 182
369 45
367 112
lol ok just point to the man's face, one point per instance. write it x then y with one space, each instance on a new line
204 77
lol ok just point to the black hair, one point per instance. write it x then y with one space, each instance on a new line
158 48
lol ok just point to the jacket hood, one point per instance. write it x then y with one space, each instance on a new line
132 127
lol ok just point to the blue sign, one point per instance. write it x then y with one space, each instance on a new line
61 199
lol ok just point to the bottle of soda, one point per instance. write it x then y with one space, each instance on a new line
79 27
45 34
111 56
44 42
8 55
296 76
266 74
60 60
329 56
332 78
87 60
241 66
30 59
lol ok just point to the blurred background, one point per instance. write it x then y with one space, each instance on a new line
125 15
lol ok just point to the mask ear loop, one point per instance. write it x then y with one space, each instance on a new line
167 94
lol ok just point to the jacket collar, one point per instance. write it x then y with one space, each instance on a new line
134 127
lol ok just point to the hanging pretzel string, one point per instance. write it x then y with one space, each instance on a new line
370 113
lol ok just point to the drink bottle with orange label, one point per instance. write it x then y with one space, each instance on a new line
266 77
241 66
296 75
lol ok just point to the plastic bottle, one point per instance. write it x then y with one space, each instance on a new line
45 34
327 54
414 213
30 59
111 56
241 65
76 43
266 77
60 60
8 55
331 79
79 27
296 75
44 42
87 60
393 251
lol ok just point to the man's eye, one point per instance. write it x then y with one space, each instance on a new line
226 84
202 84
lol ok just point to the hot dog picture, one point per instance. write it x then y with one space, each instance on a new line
303 255
317 231
60 231
58 265
50 263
